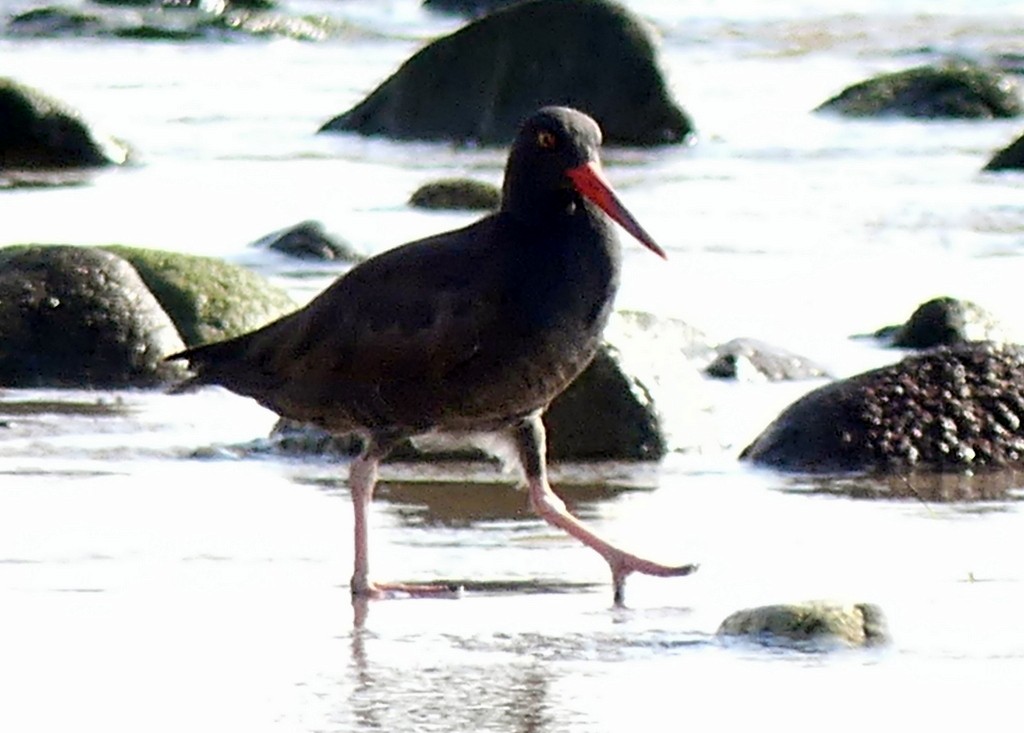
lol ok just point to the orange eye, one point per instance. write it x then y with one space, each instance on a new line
546 140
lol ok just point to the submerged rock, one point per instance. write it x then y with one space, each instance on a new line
207 298
457 193
167 20
951 90
943 322
949 409
308 241
751 360
810 624
479 83
39 133
54 20
80 317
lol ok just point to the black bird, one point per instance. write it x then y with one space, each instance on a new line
474 330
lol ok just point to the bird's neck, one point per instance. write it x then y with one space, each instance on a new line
566 264
528 204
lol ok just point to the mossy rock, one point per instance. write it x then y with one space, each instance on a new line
952 90
80 317
809 624
457 193
207 298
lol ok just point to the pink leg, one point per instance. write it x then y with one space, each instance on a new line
362 480
530 440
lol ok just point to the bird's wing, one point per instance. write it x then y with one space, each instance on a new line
413 313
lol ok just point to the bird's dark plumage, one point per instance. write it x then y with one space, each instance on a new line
476 329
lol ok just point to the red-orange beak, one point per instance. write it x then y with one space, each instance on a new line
589 180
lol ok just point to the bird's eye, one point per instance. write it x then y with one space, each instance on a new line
546 140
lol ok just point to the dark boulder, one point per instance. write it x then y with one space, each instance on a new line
950 409
479 83
943 322
38 132
751 360
457 193
80 317
1009 158
952 90
605 414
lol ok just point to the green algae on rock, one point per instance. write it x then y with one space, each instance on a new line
207 298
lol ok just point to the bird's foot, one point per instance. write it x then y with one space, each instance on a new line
624 564
379 591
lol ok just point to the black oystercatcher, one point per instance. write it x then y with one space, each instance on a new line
474 330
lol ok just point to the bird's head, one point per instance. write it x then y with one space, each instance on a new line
556 149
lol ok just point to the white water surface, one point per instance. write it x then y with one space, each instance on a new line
149 582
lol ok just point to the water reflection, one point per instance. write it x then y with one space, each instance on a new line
101 407
465 495
443 694
467 504
932 487
511 664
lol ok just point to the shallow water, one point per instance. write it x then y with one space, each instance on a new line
151 579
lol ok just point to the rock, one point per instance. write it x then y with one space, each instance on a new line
943 322
40 133
751 360
953 408
54 21
80 317
307 241
207 298
605 414
477 84
813 623
951 90
168 20
457 193
1009 158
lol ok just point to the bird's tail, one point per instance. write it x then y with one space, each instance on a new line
210 364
